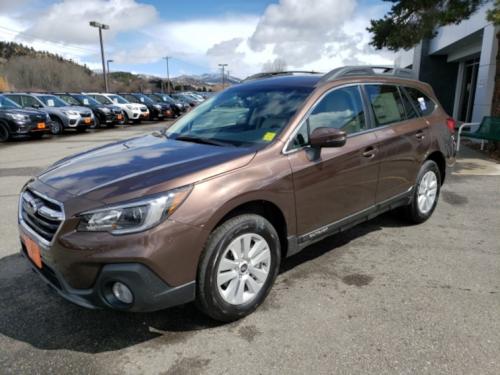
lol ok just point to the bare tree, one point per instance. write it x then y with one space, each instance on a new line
278 65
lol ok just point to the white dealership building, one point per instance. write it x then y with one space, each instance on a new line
460 64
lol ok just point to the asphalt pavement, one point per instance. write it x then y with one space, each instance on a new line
382 298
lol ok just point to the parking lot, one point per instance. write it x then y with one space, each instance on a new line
383 297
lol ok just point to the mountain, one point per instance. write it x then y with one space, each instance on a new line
23 68
210 79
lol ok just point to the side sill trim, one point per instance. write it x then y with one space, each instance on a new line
298 243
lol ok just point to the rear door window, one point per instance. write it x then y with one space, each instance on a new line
422 102
386 103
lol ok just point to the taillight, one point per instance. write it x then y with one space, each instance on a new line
451 124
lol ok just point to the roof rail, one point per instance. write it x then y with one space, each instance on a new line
274 74
367 70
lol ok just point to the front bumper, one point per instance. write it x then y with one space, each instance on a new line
23 127
150 292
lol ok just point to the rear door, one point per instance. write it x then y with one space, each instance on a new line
343 180
403 139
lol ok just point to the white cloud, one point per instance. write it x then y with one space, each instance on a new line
68 21
314 35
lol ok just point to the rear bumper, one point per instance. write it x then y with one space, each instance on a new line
150 292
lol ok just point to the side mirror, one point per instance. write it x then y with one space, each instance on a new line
327 137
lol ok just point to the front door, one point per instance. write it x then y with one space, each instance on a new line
341 181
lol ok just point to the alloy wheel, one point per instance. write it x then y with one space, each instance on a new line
243 269
427 191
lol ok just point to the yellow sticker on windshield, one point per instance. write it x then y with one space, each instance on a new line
269 136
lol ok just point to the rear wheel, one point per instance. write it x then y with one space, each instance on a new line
238 267
4 133
425 194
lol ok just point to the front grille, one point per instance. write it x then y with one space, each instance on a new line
117 112
40 214
85 114
38 118
144 109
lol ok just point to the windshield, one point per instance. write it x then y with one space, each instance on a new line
162 98
118 99
242 116
69 99
52 101
7 103
102 99
86 100
144 99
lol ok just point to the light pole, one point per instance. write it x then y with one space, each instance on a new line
223 66
101 27
107 73
168 75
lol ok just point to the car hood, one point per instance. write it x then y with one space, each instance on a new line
21 111
140 164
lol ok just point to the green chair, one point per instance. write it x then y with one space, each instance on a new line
488 129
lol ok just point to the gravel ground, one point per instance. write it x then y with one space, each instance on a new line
382 298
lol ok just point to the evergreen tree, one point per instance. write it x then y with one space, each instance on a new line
410 21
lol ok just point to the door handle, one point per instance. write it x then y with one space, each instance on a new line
369 152
420 135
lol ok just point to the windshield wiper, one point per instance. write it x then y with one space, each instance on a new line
206 141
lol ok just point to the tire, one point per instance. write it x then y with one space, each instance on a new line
247 286
428 185
126 119
96 124
57 126
4 133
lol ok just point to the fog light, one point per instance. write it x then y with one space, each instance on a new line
122 293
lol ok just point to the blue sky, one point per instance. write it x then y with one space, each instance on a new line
246 34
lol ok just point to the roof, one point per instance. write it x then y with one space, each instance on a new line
305 81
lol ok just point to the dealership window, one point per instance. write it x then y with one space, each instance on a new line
386 104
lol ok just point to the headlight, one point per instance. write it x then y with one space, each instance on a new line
104 109
71 113
133 217
130 107
157 106
18 116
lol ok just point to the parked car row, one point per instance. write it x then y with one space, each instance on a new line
36 114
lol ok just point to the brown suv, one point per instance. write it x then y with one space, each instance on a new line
206 210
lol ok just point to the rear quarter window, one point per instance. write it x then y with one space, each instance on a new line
425 106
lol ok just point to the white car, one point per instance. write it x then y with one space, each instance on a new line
132 111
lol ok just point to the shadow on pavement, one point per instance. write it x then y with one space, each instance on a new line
31 312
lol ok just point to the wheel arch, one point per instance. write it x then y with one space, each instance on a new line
439 159
265 208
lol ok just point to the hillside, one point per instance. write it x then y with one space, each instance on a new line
24 69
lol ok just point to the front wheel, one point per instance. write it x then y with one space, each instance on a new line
425 194
238 267
4 133
57 126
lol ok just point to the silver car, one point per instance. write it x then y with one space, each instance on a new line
62 115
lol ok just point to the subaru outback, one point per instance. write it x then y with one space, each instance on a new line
207 209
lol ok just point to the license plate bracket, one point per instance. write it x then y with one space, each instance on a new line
33 250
